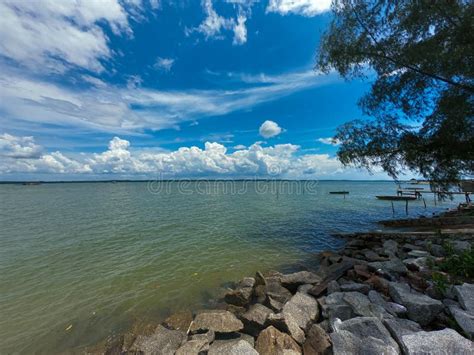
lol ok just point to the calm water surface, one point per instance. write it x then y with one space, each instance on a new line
98 256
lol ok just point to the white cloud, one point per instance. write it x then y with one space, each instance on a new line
280 160
269 129
240 31
300 7
18 147
214 24
53 35
164 64
30 101
240 147
329 141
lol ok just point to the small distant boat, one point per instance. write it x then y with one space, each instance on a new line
31 183
396 198
339 192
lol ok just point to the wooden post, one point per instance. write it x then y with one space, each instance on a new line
424 202
393 208
406 207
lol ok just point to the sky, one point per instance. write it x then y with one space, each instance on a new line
138 89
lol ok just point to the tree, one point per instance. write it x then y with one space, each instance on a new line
421 104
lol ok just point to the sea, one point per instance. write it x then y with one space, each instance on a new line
82 261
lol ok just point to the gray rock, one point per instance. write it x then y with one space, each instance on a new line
209 336
242 294
333 286
370 255
441 342
346 343
355 287
465 296
193 347
361 306
271 341
162 342
303 308
217 320
392 308
416 264
274 304
418 253
365 327
317 342
460 246
254 319
273 289
464 319
179 321
260 279
390 246
333 306
299 278
391 266
400 327
287 324
421 308
437 250
232 347
235 337
304 288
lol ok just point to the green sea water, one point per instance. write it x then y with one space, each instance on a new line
99 256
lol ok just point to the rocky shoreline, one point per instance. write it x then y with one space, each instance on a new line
384 293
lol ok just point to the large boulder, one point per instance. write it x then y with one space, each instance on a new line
333 306
292 281
464 319
390 246
394 309
361 305
218 321
254 319
420 308
232 347
271 341
399 327
465 296
441 342
193 347
162 342
179 321
365 327
317 341
242 294
287 324
394 266
346 343
272 289
302 308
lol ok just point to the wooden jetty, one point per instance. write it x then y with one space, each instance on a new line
396 198
339 192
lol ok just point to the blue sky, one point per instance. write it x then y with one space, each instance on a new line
94 89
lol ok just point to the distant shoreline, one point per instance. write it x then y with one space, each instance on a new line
17 182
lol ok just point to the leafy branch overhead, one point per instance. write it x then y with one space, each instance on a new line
421 103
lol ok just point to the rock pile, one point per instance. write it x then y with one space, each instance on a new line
374 297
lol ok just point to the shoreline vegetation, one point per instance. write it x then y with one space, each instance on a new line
390 292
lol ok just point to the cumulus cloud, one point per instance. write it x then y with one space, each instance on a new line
51 35
269 129
213 160
329 141
18 147
300 7
164 64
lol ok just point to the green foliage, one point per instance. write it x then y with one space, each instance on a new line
422 99
440 281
